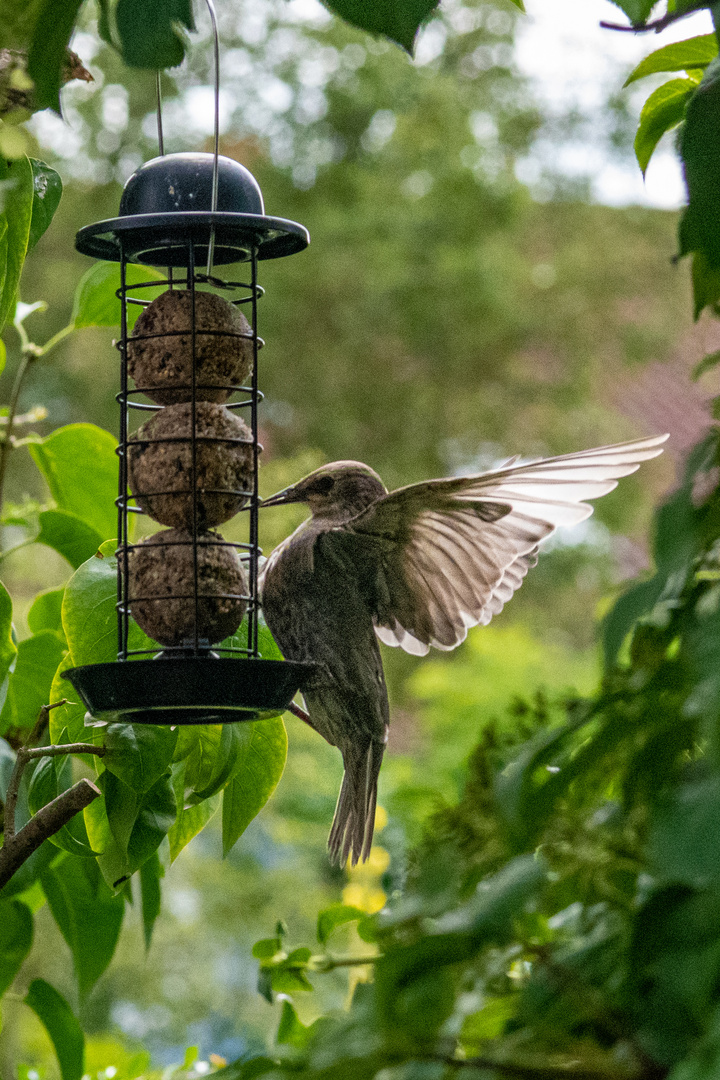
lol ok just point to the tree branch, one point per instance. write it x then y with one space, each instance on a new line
49 820
656 25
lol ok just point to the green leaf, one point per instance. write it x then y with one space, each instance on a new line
46 611
16 934
138 824
69 717
69 535
663 110
290 1031
46 58
96 302
267 948
699 230
684 846
139 754
150 35
637 11
150 873
689 55
706 283
89 614
707 363
156 816
29 685
336 915
47 191
262 760
59 1021
88 914
190 820
17 186
398 20
80 467
198 746
228 759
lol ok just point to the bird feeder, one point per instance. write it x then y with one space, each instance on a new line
191 365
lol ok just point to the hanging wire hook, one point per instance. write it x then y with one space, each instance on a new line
158 96
216 148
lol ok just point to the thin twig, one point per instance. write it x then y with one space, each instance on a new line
329 963
57 749
297 710
533 1072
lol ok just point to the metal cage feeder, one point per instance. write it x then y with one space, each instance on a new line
189 213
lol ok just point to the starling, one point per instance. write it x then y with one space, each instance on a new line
414 567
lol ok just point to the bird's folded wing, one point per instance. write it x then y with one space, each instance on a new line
444 555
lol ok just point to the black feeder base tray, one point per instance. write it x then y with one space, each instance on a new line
192 690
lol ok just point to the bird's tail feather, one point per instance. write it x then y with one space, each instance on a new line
352 828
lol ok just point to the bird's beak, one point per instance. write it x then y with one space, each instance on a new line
287 495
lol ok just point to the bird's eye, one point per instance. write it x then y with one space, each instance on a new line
324 484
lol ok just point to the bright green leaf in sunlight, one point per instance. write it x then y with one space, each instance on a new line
69 535
80 467
46 611
53 30
150 34
663 110
89 615
16 184
190 820
69 717
96 302
262 760
16 934
61 1025
336 915
290 1030
29 684
691 55
47 191
398 20
88 914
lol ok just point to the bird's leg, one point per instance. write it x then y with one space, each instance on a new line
297 710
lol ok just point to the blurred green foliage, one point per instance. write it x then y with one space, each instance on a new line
548 908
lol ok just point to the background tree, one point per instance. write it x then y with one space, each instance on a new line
433 276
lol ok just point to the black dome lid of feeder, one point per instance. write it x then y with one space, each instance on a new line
168 201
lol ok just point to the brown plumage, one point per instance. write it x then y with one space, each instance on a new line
414 568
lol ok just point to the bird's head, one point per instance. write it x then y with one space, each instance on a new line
337 491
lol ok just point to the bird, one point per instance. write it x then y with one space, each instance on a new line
414 568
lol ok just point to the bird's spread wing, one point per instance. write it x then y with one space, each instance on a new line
444 555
